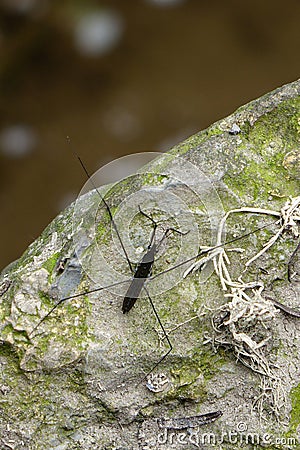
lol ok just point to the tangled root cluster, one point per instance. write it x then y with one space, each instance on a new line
245 322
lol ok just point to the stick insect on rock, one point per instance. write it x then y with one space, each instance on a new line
139 209
141 273
177 239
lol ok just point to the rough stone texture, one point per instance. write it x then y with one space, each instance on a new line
76 379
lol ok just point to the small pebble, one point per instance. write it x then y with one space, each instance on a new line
235 129
157 382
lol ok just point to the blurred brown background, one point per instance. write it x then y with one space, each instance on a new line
118 77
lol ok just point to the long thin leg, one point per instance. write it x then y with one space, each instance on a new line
164 332
151 277
108 210
204 251
62 300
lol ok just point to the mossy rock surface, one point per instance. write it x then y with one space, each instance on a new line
76 379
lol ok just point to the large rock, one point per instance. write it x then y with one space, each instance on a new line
75 376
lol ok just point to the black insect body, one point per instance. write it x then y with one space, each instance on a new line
142 272
144 268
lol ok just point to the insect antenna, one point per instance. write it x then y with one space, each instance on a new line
108 210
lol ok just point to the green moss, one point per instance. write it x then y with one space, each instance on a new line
267 173
45 299
11 367
213 131
258 180
153 179
20 338
66 326
295 124
50 264
192 374
295 413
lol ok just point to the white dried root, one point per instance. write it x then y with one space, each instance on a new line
247 317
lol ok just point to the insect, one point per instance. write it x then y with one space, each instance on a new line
142 276
144 268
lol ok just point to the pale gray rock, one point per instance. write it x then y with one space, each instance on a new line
76 380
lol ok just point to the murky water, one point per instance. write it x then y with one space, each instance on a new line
126 77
